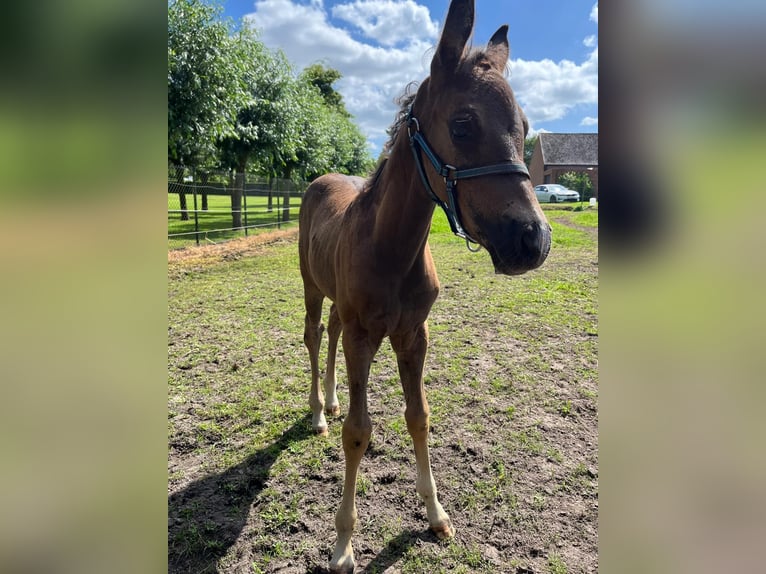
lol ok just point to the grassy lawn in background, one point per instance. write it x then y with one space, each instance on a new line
218 217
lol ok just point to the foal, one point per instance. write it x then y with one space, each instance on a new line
364 243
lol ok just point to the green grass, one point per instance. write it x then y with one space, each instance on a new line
511 379
587 218
556 565
218 217
564 221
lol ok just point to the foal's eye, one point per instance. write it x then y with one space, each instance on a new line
460 128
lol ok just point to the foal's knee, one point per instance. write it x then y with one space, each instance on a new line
356 433
417 421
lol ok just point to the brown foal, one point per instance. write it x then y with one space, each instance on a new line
364 243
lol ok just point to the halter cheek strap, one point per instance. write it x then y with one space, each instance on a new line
451 176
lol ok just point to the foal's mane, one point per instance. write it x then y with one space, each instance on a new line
404 102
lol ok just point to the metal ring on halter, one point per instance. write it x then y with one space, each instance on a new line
468 245
409 125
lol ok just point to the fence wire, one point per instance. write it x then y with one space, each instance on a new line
213 207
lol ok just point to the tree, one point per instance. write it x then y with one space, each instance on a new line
263 131
529 148
578 181
205 83
323 79
350 154
348 151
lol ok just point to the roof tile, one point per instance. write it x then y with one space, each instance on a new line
569 149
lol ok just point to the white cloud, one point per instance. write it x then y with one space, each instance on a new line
373 76
548 90
401 37
589 121
388 22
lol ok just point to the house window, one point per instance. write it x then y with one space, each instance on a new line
547 178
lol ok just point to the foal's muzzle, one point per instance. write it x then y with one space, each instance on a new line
518 246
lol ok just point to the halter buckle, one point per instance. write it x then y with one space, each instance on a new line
447 168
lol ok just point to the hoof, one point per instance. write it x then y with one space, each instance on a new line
444 531
333 411
345 567
321 431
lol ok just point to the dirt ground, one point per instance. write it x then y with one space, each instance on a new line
231 249
516 465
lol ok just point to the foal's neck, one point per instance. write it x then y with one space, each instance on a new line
403 208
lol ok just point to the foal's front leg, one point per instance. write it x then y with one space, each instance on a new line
410 351
359 347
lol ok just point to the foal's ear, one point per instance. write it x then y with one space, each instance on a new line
457 30
498 50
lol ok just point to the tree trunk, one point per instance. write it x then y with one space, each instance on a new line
286 201
286 195
236 197
203 177
270 207
181 194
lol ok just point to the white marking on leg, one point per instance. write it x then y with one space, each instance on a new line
356 437
425 486
332 407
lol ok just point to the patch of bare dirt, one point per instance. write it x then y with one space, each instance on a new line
232 249
567 223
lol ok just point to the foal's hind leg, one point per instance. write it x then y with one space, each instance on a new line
312 337
410 351
330 382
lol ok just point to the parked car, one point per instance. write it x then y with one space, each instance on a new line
553 193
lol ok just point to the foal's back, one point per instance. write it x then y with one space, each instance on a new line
323 208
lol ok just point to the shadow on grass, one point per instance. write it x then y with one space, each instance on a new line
207 516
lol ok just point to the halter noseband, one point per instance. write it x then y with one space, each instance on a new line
451 175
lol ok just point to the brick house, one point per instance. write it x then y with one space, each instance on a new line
555 154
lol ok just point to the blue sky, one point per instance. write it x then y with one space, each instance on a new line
381 45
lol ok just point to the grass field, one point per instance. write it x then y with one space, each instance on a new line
511 377
218 217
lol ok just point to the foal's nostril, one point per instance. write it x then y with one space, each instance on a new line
531 238
535 242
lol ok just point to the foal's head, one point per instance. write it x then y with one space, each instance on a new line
467 113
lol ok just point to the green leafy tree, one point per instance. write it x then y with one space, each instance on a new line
348 152
578 181
323 79
529 148
205 83
264 133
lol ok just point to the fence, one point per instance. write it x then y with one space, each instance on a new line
210 207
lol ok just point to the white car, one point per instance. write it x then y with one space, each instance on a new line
553 193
